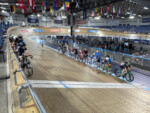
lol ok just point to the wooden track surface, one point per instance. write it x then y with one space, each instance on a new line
101 32
49 65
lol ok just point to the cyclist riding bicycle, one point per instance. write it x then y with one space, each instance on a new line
19 40
23 51
16 42
86 55
125 66
11 38
93 58
106 63
109 61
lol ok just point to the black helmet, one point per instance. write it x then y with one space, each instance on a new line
22 44
20 36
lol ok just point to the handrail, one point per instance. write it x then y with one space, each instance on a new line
27 85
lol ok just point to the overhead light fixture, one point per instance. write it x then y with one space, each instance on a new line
61 8
38 15
3 11
4 3
2 7
97 18
146 8
134 14
128 12
63 17
131 17
122 17
139 15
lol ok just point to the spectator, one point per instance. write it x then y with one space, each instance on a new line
98 58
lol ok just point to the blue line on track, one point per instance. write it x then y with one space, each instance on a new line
63 84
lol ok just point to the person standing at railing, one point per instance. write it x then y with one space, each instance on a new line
98 58
42 43
67 48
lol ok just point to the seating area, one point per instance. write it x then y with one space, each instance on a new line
135 29
142 29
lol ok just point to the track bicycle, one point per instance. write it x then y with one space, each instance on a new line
127 75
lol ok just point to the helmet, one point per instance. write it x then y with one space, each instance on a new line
107 58
22 44
20 36
14 37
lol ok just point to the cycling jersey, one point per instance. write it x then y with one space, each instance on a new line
21 51
98 56
125 65
75 51
109 61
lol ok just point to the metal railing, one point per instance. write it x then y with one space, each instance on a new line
26 85
136 61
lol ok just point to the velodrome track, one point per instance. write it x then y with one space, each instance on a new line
106 94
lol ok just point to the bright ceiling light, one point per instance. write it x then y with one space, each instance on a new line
3 11
131 17
128 12
3 8
97 18
4 3
146 8
139 15
61 8
63 17
122 17
38 15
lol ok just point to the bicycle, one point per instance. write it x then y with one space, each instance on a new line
27 66
127 75
106 67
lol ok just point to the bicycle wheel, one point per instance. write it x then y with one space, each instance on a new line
28 70
129 77
117 72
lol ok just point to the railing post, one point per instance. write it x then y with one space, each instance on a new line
19 92
10 54
12 65
14 74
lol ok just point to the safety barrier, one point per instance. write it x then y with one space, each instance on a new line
136 61
26 85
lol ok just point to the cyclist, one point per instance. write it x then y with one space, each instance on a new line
93 58
11 38
81 54
109 61
22 51
17 41
13 44
86 55
105 63
124 66
76 52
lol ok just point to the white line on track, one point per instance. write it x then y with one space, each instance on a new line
76 84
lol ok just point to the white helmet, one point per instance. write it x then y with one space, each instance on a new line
14 37
107 58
